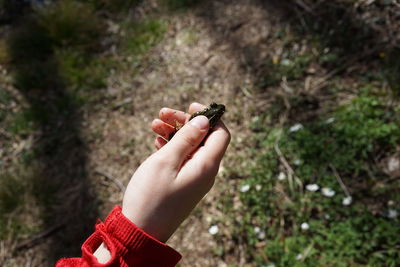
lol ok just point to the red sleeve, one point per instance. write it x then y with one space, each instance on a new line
128 245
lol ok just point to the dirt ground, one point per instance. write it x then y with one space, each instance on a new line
211 53
212 66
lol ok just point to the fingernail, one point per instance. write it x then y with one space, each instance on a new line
200 122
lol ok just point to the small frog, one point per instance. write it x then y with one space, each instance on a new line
214 112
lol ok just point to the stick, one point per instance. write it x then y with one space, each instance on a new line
37 238
340 181
112 179
287 166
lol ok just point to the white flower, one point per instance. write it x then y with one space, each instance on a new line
347 201
312 187
286 62
305 226
392 214
296 127
271 265
258 187
245 188
297 162
281 176
330 120
327 216
261 235
328 192
213 230
299 256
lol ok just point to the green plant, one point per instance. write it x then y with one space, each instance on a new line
15 204
141 36
347 143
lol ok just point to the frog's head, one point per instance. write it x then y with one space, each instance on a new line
214 113
218 108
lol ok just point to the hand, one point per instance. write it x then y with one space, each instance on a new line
169 184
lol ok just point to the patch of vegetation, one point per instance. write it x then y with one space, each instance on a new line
292 67
303 227
15 205
295 58
141 36
81 73
71 24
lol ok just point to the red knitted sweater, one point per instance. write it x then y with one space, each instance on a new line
128 245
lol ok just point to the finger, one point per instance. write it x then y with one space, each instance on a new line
173 116
187 139
216 143
194 107
162 128
159 142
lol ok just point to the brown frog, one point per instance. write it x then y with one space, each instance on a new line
214 112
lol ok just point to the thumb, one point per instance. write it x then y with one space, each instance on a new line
188 138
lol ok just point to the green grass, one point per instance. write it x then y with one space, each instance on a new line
292 63
362 133
141 36
16 204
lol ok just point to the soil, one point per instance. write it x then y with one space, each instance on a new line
211 53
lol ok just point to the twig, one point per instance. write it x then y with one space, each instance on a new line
120 185
289 169
124 102
340 181
304 6
307 252
37 238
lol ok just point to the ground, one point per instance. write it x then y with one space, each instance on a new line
72 135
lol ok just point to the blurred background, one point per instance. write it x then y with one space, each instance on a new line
312 87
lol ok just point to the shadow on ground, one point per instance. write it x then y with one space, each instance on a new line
60 186
354 43
369 39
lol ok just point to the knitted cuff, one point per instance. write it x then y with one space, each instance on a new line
128 243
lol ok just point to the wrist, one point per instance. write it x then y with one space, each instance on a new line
102 254
150 227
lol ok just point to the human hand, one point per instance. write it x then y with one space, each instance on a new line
169 184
